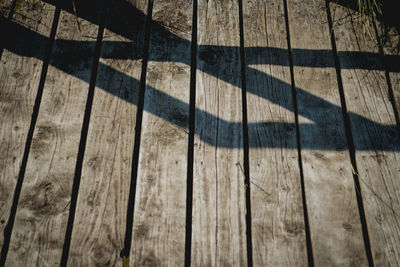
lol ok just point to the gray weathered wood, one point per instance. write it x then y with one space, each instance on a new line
100 219
376 137
219 228
160 205
42 214
392 49
395 82
278 230
335 226
19 82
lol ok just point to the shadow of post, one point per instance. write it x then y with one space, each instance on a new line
25 42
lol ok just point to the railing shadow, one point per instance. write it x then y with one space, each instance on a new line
128 23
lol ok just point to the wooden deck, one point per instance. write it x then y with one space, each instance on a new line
194 132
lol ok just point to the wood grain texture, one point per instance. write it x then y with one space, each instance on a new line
392 54
395 82
218 223
335 227
376 137
278 230
20 70
160 205
100 219
42 214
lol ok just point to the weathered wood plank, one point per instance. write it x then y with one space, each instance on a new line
20 70
278 230
219 228
160 205
100 218
42 214
335 227
395 82
376 137
393 66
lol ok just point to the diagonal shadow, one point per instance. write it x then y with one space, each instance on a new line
212 59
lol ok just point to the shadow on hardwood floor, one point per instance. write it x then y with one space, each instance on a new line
211 61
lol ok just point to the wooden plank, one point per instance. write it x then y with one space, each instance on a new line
42 214
376 137
391 49
278 230
20 70
392 54
395 82
100 219
335 227
218 223
160 205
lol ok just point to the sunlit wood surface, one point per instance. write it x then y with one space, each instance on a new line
194 132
